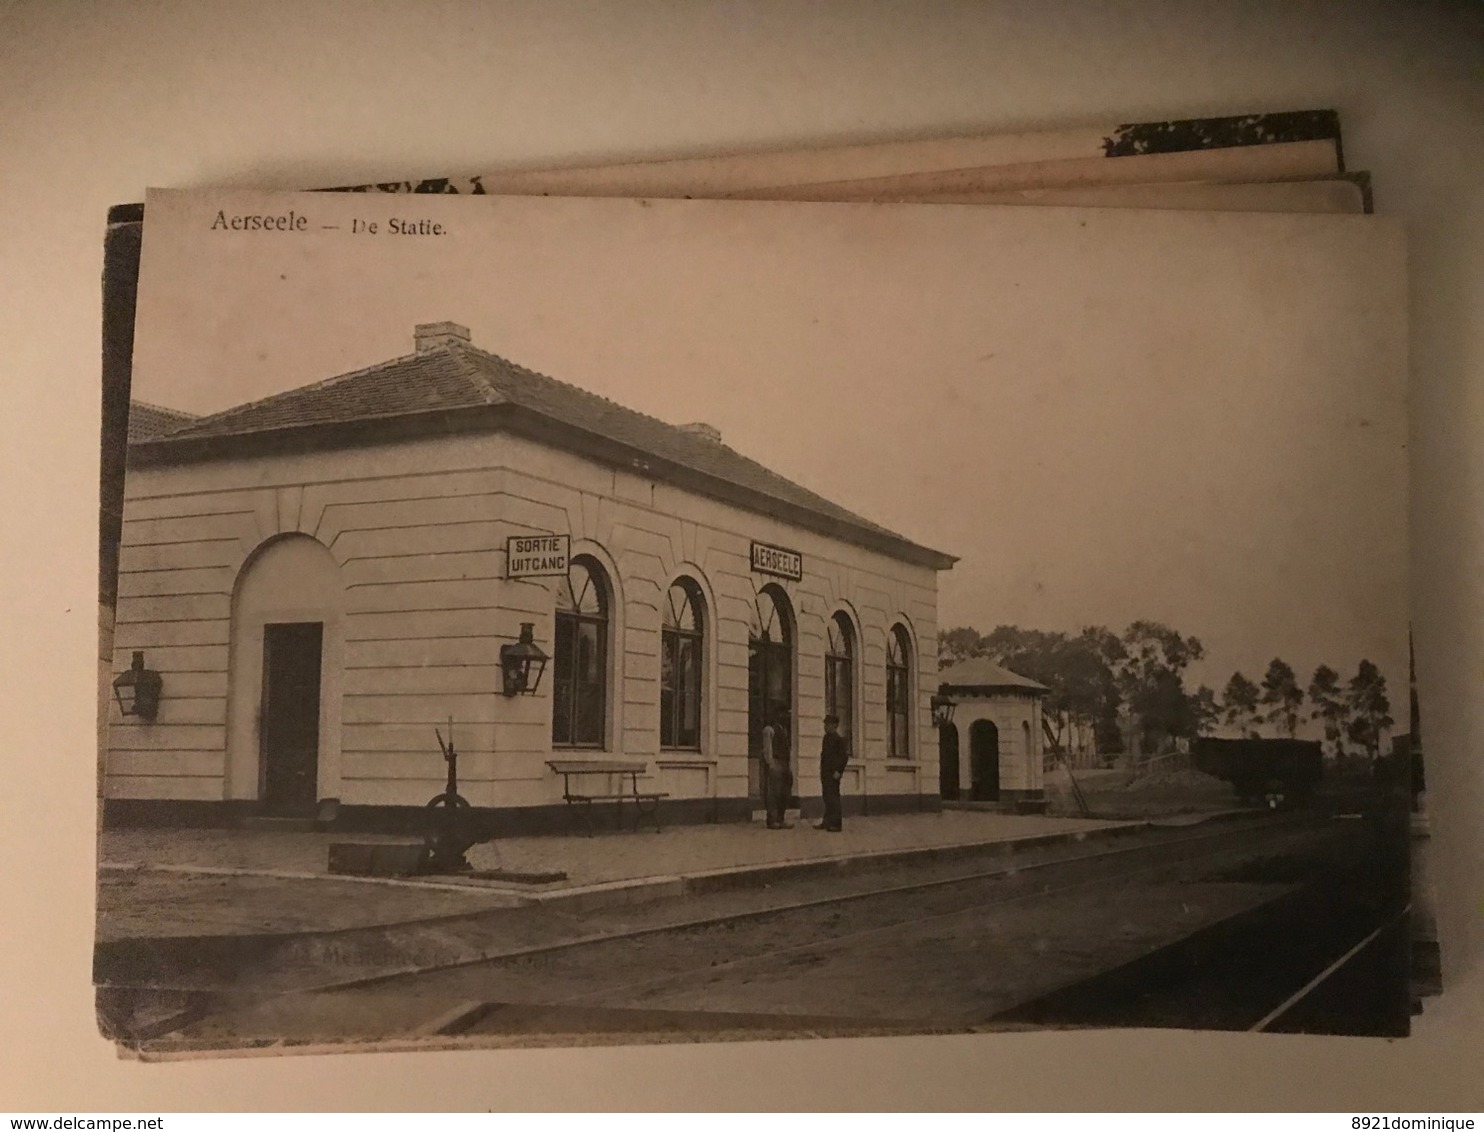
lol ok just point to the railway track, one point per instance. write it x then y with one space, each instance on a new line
919 907
804 959
1365 960
950 885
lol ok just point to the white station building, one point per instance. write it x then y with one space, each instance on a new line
323 577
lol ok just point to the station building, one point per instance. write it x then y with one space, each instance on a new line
323 577
991 750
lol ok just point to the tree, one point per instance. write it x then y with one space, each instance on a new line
1107 721
959 644
1078 671
1096 675
1151 680
1370 710
1205 712
1331 707
1089 689
1044 657
1239 704
1282 697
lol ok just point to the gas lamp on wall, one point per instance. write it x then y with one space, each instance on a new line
138 690
522 663
942 710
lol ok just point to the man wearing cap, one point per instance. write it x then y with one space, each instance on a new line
833 755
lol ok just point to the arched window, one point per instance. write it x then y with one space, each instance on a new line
580 666
680 667
898 693
839 671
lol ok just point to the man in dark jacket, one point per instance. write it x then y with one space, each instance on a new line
833 755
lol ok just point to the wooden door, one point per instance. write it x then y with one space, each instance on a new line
948 762
290 720
984 760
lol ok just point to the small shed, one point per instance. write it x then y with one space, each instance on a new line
998 715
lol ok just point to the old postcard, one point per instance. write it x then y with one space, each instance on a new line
1041 164
1234 149
580 620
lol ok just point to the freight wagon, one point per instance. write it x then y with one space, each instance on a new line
1279 771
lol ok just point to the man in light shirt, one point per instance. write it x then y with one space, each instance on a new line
776 773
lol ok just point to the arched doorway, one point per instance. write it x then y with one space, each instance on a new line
984 760
770 679
289 732
284 678
948 762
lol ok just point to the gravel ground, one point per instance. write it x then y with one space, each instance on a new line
286 885
133 903
316 961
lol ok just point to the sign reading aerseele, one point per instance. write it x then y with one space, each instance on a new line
778 561
537 556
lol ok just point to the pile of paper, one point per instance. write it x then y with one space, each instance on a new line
1159 362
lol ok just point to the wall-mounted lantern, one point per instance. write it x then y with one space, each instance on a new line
522 663
942 710
138 690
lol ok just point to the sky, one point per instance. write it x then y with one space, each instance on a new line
1107 414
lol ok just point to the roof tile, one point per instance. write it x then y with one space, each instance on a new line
146 421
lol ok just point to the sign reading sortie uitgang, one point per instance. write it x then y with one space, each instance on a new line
778 561
537 556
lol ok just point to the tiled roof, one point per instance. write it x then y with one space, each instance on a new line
148 421
455 377
434 381
981 672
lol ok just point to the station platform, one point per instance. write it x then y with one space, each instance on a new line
192 882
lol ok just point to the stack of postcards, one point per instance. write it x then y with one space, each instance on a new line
937 585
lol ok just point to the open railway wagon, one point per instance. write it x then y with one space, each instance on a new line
1277 771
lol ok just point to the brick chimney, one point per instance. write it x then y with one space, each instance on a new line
704 431
435 335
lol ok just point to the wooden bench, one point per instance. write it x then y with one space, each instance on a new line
646 803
